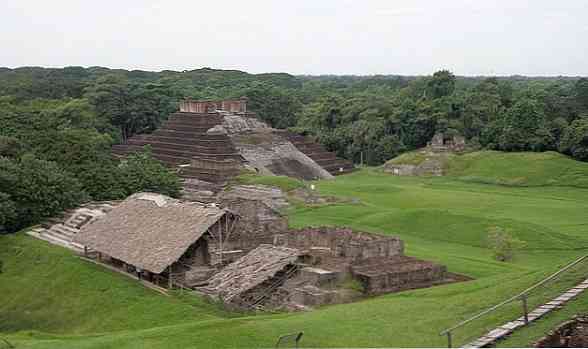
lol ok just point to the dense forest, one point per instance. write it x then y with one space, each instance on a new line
57 125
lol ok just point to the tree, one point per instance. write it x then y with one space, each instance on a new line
131 107
141 172
441 84
7 212
503 244
388 147
10 146
276 106
575 139
581 93
524 128
38 189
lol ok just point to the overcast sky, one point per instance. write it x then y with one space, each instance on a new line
469 37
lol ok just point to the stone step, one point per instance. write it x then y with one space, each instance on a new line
203 139
322 156
64 229
195 120
166 159
196 117
78 220
206 146
155 150
59 234
201 186
213 178
540 311
55 239
177 134
178 127
337 165
197 170
226 152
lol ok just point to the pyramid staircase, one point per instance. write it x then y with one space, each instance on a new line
183 137
326 159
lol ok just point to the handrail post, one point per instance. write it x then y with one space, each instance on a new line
523 296
525 309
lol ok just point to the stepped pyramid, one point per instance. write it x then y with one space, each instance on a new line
209 142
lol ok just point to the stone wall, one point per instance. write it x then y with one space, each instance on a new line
343 243
570 334
440 143
258 208
399 273
400 170
232 105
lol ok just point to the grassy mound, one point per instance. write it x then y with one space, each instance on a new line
51 299
409 158
283 182
513 169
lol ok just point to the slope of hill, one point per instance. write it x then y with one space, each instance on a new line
51 299
513 169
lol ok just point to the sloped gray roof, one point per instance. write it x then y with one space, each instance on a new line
257 266
149 231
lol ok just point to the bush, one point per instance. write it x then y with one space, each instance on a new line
141 172
10 147
7 212
38 189
503 244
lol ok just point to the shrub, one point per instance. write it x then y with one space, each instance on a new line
7 212
38 189
503 244
141 172
10 146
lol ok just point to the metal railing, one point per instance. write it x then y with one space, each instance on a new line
289 338
8 344
522 296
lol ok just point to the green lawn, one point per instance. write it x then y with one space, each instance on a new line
50 299
511 169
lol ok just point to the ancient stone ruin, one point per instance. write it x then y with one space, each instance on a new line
240 251
441 143
61 230
435 155
311 267
570 334
209 142
431 166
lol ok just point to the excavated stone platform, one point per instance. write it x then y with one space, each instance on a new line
570 334
61 230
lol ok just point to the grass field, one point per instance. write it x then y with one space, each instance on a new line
51 299
512 169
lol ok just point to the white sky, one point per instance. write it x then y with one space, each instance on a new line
469 37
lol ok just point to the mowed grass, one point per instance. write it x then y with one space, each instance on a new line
511 169
50 299
526 169
283 182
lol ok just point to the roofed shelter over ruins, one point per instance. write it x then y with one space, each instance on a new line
154 235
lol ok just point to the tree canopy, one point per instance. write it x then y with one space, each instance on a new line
57 125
